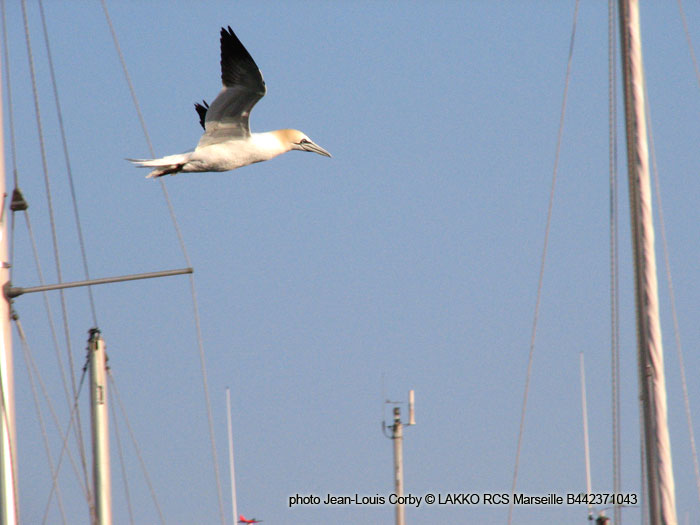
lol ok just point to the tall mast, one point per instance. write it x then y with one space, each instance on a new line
587 456
9 510
652 384
397 437
100 433
234 503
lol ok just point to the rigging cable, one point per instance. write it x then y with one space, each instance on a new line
54 336
27 358
614 258
42 148
29 227
13 458
64 448
183 247
690 43
47 398
11 121
6 52
672 300
3 401
668 269
115 424
69 170
136 445
542 261
36 257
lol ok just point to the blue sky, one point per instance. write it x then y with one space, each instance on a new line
413 254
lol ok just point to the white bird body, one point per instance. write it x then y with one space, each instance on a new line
227 142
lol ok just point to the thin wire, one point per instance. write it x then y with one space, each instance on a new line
47 305
8 84
54 234
614 258
64 448
11 122
147 136
542 262
54 473
13 466
136 445
690 43
47 399
668 269
672 300
69 170
3 401
115 424
195 307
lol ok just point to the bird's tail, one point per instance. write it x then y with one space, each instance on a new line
169 165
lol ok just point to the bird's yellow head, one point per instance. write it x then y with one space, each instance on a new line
295 139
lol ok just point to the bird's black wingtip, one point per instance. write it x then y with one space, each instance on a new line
201 110
237 66
227 32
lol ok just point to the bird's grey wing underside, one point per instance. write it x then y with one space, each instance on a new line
243 85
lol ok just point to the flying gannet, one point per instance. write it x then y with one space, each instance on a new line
227 142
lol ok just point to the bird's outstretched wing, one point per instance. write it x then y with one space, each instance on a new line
227 117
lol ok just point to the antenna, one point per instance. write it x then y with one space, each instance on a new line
397 437
384 402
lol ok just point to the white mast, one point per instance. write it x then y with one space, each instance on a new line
397 437
652 384
586 450
9 510
100 432
232 470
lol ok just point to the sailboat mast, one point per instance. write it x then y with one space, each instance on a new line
9 510
100 435
397 437
234 502
652 383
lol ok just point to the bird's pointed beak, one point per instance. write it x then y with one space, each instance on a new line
312 146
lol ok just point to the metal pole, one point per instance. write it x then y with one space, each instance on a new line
652 383
586 452
13 292
100 429
234 503
397 437
9 509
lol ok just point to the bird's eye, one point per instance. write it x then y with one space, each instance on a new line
304 141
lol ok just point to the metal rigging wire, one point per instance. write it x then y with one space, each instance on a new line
614 258
542 261
42 148
136 446
125 479
183 247
672 301
69 170
31 367
64 448
668 271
